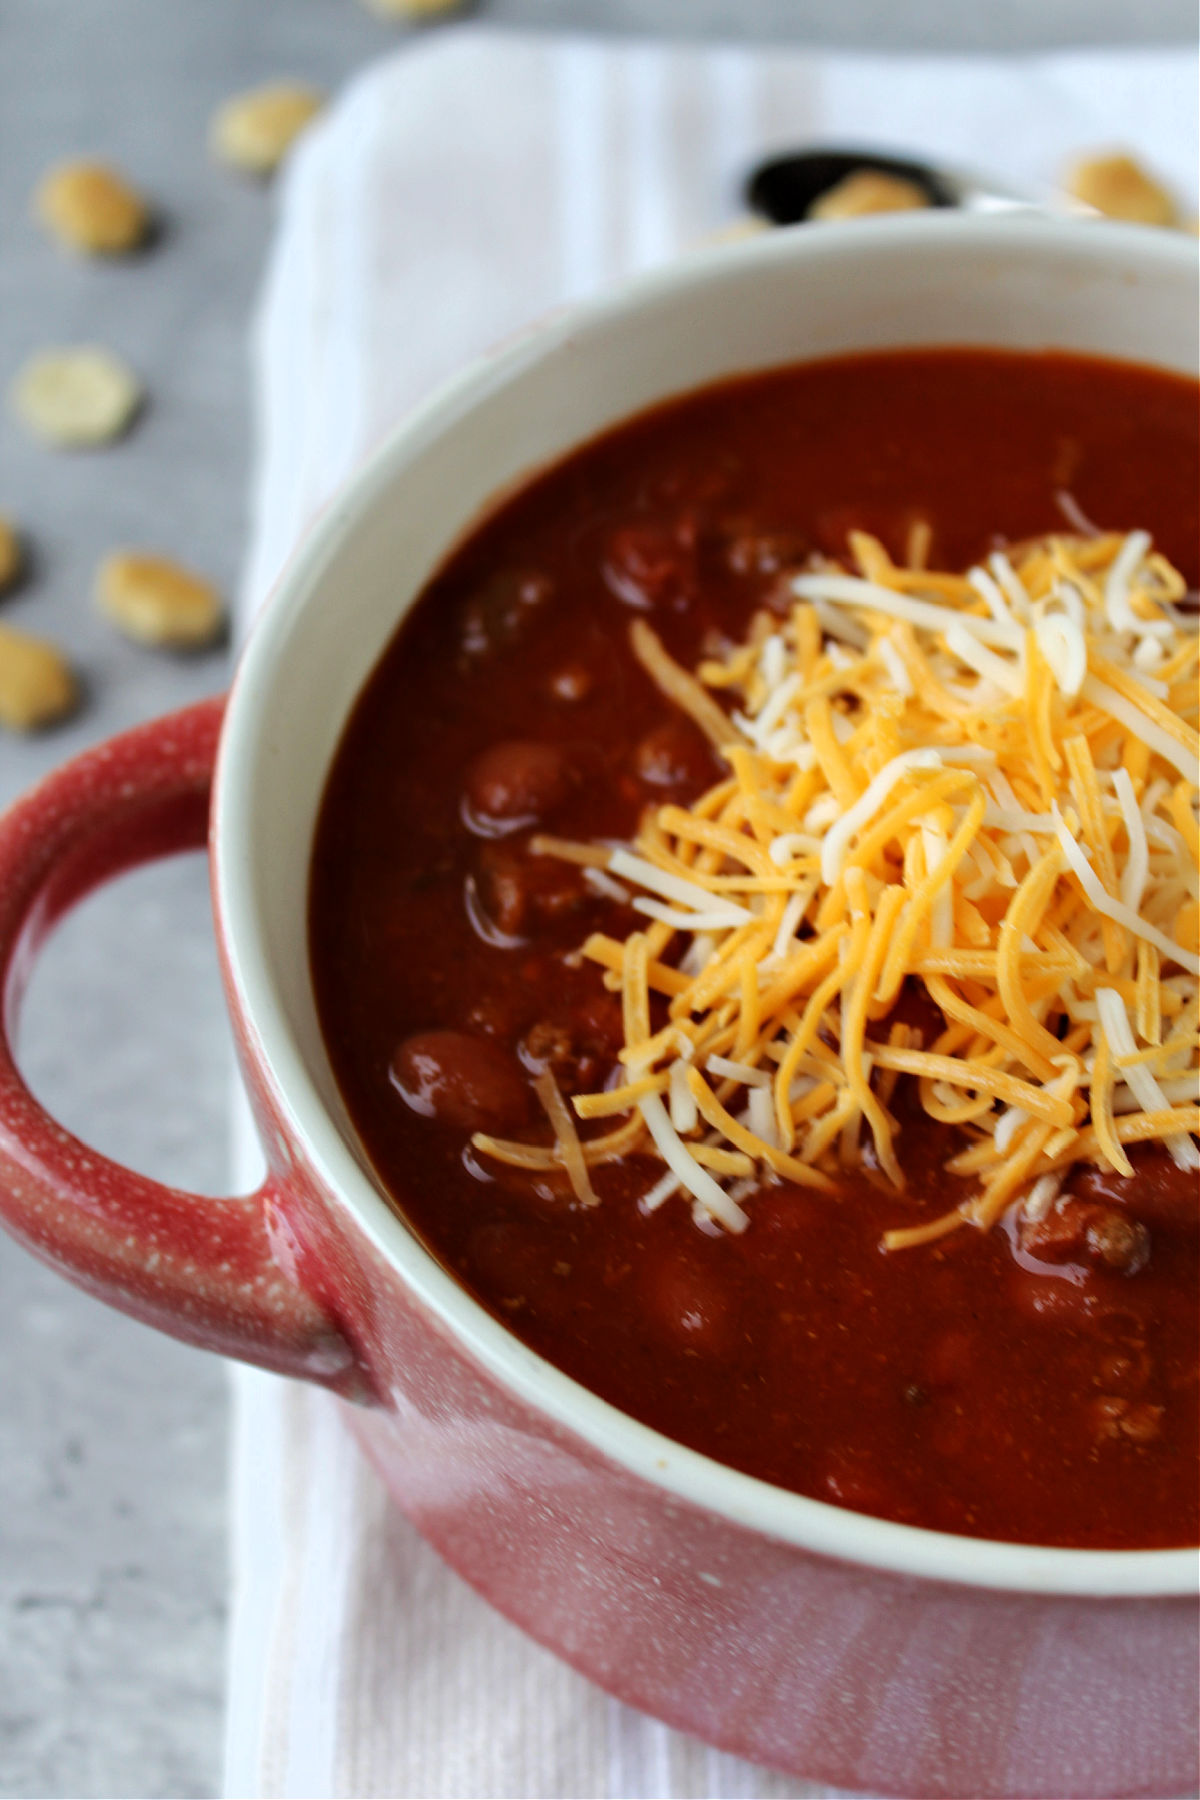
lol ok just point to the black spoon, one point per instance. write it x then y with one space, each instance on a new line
783 188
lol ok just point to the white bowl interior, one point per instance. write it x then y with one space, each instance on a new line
1020 283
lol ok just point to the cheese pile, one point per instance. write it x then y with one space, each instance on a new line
981 788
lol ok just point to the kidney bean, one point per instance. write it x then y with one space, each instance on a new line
675 755
460 1080
647 566
518 780
520 890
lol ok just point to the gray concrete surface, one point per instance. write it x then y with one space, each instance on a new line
112 1441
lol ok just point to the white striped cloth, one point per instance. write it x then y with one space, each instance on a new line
457 190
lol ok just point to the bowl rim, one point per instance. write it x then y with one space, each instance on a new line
686 1476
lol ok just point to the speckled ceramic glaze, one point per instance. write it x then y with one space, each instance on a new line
817 1640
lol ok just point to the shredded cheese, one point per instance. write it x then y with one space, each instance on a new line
566 1138
979 787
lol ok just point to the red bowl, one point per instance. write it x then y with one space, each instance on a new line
807 1637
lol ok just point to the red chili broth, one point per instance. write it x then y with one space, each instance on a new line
964 1386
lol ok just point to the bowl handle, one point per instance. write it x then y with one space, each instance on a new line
201 1269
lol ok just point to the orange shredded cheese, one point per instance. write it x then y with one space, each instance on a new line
983 785
566 1138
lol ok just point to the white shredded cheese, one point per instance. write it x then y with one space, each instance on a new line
600 883
1114 1021
1061 642
1121 615
852 590
893 662
713 918
1150 731
1114 909
1041 1197
1137 857
990 591
1010 584
1006 676
682 1100
697 1181
671 887
728 1070
793 912
837 838
663 1188
760 1115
